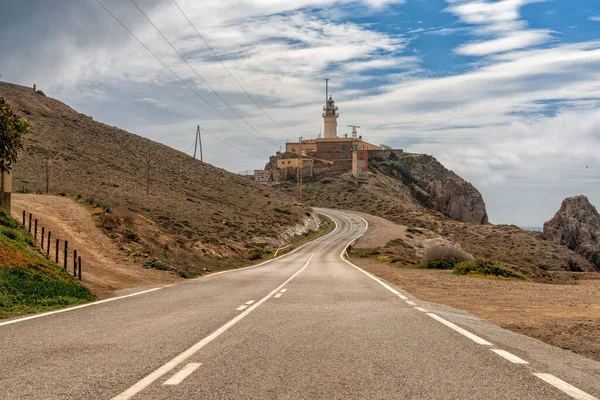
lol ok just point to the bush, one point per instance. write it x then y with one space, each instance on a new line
111 221
255 254
62 194
441 264
440 252
89 200
23 190
131 234
154 263
326 180
487 268
187 273
279 210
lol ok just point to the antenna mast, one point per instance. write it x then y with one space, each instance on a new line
354 130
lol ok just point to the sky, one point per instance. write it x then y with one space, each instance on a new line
505 93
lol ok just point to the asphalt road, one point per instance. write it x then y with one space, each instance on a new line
306 326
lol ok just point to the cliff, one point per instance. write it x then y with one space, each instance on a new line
577 225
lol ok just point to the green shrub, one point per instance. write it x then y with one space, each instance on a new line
23 190
131 234
187 273
279 210
154 263
89 200
307 188
11 233
441 264
62 194
415 231
255 254
7 220
488 268
78 197
326 180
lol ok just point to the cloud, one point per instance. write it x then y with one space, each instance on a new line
595 19
499 22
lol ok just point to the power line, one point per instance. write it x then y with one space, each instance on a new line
173 72
200 76
230 145
229 72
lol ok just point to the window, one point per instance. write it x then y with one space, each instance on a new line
343 147
356 147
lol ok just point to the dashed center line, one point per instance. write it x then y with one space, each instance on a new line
412 303
241 308
510 357
565 387
403 297
460 330
182 374
278 295
283 290
250 302
421 309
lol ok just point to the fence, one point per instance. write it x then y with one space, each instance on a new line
45 245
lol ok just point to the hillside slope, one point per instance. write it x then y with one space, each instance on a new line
190 202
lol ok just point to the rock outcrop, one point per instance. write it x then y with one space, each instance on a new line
577 226
438 188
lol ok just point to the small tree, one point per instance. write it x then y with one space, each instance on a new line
11 131
385 147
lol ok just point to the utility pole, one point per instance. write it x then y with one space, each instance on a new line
299 176
47 176
198 142
148 176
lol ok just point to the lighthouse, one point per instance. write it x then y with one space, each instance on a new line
330 114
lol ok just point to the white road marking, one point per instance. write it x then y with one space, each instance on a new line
283 290
403 297
14 321
565 387
241 308
152 377
449 324
250 302
460 330
182 374
278 295
411 303
421 309
510 357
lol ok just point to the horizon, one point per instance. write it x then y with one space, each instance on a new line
503 93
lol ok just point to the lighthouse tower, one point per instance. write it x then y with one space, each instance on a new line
330 114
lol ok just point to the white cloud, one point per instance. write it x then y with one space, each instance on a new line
595 19
500 23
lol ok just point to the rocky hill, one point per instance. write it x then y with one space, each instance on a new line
192 206
577 225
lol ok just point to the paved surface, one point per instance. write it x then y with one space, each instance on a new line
306 326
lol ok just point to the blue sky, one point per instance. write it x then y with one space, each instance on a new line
506 93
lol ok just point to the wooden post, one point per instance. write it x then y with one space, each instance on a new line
49 237
79 262
56 255
74 262
66 252
35 231
43 238
23 218
47 176
30 222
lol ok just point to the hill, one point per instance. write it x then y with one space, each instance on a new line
194 214
416 191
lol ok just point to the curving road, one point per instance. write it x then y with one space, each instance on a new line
306 326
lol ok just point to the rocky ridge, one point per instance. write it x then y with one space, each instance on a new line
577 225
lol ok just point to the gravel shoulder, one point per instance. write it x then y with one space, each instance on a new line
106 270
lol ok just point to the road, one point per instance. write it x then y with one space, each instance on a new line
306 326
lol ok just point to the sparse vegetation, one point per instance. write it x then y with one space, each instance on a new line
23 190
326 180
154 263
441 264
188 273
89 201
255 254
440 253
487 268
130 234
62 194
281 211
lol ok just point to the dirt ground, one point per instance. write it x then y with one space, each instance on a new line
106 270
